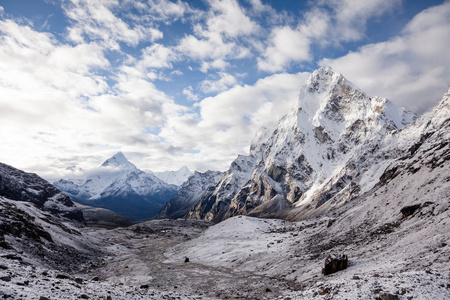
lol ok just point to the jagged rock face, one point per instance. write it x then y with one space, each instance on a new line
190 194
216 200
425 144
326 149
120 186
21 186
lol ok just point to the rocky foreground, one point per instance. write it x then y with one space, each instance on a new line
240 258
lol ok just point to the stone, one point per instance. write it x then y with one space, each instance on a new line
79 280
324 291
409 210
335 263
388 296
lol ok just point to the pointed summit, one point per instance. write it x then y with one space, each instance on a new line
119 160
318 151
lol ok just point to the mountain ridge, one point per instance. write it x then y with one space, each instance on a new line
324 149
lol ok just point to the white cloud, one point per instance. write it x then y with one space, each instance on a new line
226 123
213 48
54 105
326 22
189 93
286 45
32 62
412 70
95 20
223 83
221 36
229 19
157 56
152 11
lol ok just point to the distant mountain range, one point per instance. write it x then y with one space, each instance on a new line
178 178
120 186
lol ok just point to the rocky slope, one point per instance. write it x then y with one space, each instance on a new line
21 186
326 150
120 186
198 184
102 218
39 225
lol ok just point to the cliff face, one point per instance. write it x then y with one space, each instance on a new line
21 186
327 149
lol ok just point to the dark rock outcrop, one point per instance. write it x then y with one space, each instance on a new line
335 263
21 186
409 210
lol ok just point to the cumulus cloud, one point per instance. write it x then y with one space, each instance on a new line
324 23
286 45
189 93
95 20
225 124
160 10
228 18
220 37
157 56
412 70
223 83
55 103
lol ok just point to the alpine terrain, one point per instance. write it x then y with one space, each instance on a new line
347 198
120 186
330 148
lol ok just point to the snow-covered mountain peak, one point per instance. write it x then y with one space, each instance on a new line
316 152
177 178
119 161
331 104
120 186
324 78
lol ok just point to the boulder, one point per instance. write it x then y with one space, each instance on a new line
409 210
335 263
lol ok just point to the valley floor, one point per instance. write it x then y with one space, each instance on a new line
240 258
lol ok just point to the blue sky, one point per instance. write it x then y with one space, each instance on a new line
173 83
